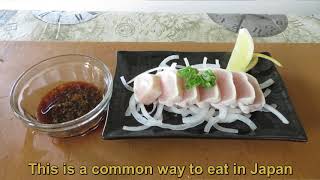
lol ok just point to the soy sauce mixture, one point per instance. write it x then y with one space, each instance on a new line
68 101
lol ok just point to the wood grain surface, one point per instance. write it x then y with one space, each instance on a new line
20 145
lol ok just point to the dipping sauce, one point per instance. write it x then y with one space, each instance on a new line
68 101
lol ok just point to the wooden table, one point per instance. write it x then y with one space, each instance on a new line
20 145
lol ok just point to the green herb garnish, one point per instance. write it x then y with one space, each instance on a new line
190 76
194 78
208 79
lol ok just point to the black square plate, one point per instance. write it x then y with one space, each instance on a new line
130 64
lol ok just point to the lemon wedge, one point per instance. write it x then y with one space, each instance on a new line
253 62
255 59
242 52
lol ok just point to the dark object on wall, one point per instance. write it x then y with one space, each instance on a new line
259 25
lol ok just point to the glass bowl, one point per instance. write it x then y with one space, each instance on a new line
38 80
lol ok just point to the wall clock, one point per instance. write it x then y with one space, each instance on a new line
5 16
65 17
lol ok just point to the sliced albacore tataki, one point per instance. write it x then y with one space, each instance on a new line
190 97
147 88
209 95
245 91
259 100
226 88
171 87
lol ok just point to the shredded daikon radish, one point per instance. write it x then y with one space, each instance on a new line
139 117
267 83
182 126
223 111
223 129
194 109
154 107
211 122
276 112
182 112
248 115
195 118
179 66
152 122
169 109
128 112
210 113
164 63
234 110
176 127
125 84
186 61
218 63
145 112
200 66
173 65
158 114
267 92
233 117
135 128
142 120
274 106
167 59
204 62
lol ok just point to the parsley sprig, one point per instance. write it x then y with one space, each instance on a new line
194 78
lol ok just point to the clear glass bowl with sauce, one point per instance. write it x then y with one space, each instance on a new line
54 73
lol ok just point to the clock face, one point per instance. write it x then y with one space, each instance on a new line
258 25
65 17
